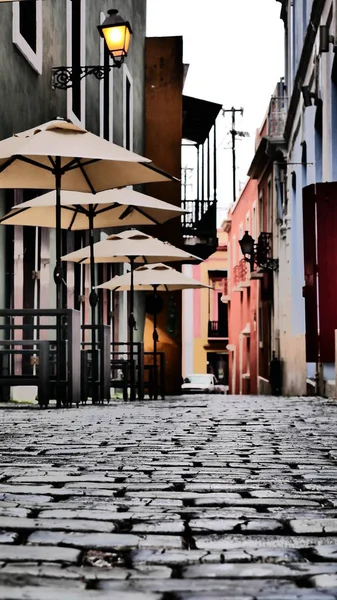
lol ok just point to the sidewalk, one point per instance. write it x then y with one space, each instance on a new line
185 499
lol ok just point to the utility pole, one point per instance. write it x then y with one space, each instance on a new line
234 133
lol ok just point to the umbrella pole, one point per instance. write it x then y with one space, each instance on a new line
93 298
132 324
58 278
155 340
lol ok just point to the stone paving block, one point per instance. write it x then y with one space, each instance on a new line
48 593
18 553
218 542
159 527
25 499
324 581
303 526
14 511
8 537
93 515
261 526
104 540
256 571
18 523
325 552
214 525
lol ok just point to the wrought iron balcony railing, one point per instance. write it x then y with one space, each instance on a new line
200 219
217 329
278 110
240 274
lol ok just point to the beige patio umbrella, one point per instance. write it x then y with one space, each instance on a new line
154 277
60 155
79 211
132 247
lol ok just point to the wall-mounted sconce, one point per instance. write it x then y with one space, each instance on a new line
117 35
307 95
325 39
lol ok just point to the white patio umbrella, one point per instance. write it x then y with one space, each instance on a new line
132 247
154 277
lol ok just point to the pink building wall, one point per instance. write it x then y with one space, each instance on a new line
243 306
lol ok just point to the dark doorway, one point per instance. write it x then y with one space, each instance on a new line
217 363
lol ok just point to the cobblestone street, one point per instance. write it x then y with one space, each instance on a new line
191 498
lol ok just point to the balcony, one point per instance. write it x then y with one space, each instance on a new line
218 330
199 226
199 178
241 277
278 110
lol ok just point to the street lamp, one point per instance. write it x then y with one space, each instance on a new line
247 244
258 253
117 36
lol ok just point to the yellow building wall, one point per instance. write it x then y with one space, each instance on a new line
201 346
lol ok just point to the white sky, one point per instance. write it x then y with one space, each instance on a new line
235 52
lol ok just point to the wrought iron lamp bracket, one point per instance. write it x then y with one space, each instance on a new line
63 77
261 254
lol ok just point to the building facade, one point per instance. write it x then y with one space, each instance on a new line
37 36
205 316
307 231
255 288
295 169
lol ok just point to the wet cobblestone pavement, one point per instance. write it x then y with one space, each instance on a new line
187 499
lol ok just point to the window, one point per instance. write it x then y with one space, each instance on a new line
76 24
106 93
127 109
27 31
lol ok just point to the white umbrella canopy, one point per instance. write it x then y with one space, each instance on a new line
147 277
80 211
131 246
87 163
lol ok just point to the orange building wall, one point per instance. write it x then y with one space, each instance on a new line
163 135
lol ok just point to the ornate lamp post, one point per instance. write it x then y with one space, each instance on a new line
117 35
